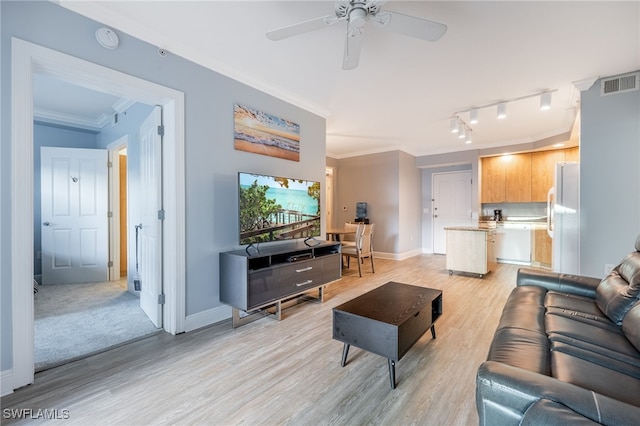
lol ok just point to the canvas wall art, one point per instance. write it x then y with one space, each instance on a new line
261 133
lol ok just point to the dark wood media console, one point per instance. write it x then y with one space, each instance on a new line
252 281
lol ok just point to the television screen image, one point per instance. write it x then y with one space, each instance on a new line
273 208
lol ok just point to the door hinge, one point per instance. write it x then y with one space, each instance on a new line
109 214
160 214
161 299
109 164
161 130
110 264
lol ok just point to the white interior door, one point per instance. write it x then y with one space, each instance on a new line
74 215
150 235
451 205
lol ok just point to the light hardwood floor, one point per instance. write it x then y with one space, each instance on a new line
288 372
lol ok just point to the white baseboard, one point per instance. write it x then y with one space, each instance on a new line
6 382
208 317
397 256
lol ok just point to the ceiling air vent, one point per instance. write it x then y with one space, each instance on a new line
619 84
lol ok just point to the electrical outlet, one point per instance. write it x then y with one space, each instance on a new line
607 268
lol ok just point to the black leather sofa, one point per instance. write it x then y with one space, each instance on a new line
566 351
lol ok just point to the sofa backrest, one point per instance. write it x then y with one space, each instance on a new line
620 290
631 325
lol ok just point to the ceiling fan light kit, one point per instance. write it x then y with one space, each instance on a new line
356 13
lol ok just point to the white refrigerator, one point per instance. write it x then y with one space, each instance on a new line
563 219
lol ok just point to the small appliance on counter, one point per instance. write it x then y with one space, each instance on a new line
497 215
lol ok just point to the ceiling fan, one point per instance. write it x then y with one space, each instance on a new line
356 13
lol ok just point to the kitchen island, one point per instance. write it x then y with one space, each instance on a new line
470 249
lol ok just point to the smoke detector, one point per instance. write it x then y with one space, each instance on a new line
107 38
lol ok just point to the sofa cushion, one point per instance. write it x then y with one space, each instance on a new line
612 380
620 290
631 326
520 348
547 412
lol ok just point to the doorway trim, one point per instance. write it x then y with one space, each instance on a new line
114 207
26 59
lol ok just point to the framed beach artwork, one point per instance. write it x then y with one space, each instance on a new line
261 133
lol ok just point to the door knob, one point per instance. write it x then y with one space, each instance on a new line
46 224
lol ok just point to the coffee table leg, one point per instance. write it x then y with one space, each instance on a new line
392 373
433 331
345 352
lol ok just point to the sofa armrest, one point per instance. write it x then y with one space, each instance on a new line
505 393
564 283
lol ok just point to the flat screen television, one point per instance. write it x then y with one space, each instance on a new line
275 208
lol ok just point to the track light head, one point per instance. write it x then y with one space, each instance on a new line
545 101
502 110
473 116
455 124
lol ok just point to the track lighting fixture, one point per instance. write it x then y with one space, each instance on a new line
455 125
463 130
473 116
502 110
468 138
545 101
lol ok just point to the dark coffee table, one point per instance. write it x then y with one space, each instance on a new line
387 321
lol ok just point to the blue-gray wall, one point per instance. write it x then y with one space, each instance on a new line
211 161
609 178
389 182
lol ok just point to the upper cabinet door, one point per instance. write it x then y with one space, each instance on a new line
506 179
542 165
518 178
493 189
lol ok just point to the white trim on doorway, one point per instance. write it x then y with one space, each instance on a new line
114 206
26 59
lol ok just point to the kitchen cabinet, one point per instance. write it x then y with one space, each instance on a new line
506 179
541 247
572 154
543 166
470 250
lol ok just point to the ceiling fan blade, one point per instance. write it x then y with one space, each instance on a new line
410 25
352 46
302 27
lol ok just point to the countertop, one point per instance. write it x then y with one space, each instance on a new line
468 228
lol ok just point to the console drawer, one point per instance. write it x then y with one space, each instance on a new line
301 275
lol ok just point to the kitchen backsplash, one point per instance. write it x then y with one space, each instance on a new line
515 209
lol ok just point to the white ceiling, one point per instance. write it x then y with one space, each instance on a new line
58 102
405 90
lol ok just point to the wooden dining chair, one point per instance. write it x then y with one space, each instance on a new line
349 240
363 247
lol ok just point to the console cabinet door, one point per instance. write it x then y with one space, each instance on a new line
264 286
331 268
